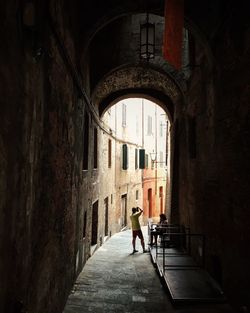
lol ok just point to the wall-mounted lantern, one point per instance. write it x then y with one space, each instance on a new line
153 156
147 40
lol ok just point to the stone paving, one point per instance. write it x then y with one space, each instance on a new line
116 281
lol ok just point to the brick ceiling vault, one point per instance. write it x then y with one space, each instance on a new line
137 81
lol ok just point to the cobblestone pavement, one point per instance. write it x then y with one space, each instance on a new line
116 281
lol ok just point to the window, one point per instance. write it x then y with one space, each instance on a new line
150 202
124 115
161 129
85 142
136 194
106 216
142 158
136 158
149 132
124 157
84 224
95 147
160 191
167 138
146 160
187 54
161 199
137 126
161 159
94 223
123 217
109 153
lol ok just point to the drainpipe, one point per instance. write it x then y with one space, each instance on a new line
156 151
142 137
142 110
142 119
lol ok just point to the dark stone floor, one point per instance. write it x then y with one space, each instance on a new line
116 281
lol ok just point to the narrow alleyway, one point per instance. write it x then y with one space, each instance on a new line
114 280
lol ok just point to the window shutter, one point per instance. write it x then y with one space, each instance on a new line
124 157
136 158
142 158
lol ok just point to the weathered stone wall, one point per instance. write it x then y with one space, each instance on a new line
213 143
232 126
126 182
22 117
40 155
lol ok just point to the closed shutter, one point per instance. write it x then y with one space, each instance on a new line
142 158
124 157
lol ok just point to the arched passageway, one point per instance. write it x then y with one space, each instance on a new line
138 81
62 64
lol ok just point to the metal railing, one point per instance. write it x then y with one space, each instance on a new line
177 247
188 244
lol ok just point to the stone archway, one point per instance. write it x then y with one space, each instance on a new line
145 82
137 79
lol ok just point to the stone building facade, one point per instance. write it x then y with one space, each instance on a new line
140 127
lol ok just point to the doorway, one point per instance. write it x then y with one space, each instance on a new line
161 199
150 202
94 223
124 211
106 216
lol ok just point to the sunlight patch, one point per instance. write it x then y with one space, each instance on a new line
138 299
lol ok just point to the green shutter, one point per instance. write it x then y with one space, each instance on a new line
124 157
136 158
142 158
